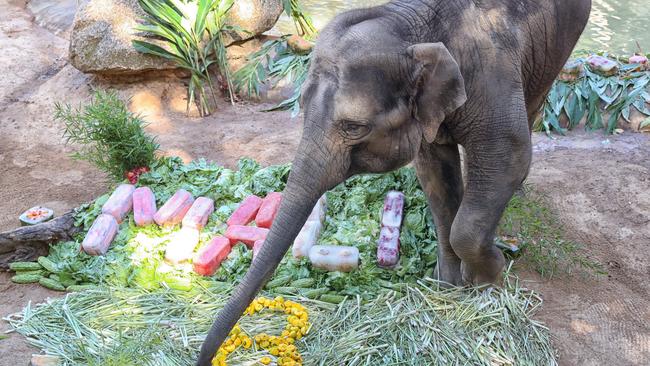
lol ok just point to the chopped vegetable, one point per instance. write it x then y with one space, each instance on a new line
246 234
144 206
268 210
334 258
209 258
173 211
245 213
100 235
120 202
198 214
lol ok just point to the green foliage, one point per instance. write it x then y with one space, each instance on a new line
539 235
594 95
274 62
111 137
304 24
193 35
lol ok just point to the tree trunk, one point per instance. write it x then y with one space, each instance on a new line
28 242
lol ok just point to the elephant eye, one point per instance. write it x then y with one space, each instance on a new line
354 130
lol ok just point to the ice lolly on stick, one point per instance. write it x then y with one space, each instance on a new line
208 259
307 238
120 202
334 258
245 213
144 206
268 210
181 246
257 247
197 216
173 211
245 234
100 235
388 247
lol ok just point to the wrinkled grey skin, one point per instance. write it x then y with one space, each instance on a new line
410 81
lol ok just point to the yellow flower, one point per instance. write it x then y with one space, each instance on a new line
265 360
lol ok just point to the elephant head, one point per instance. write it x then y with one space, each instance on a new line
365 111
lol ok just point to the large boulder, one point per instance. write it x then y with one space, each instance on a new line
100 41
253 17
101 37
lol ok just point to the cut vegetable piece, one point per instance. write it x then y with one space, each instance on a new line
393 209
257 247
209 258
120 202
268 210
100 235
198 214
307 238
246 234
173 211
144 206
181 246
388 247
334 258
245 213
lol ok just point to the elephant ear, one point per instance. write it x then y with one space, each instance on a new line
441 88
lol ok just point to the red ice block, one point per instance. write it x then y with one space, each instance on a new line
209 258
120 202
393 209
388 247
173 211
245 213
144 206
198 215
257 247
100 235
246 234
268 210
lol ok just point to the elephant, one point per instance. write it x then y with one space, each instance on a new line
409 82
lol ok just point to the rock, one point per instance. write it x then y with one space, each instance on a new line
100 41
253 16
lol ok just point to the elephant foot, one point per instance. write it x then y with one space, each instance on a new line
448 272
487 271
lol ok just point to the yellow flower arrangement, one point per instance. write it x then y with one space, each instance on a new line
281 347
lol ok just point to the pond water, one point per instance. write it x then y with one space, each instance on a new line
615 25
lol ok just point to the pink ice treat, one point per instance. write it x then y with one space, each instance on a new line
120 202
257 247
393 209
246 234
246 212
268 210
209 258
199 213
388 247
144 206
173 211
100 235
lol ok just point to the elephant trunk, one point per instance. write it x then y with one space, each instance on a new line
311 176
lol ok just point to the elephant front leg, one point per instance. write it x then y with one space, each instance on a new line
439 171
497 167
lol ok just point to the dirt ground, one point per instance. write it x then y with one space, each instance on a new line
599 187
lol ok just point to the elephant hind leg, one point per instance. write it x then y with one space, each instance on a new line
439 172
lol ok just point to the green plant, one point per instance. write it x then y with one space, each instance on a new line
274 62
528 220
593 95
111 137
304 24
193 35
